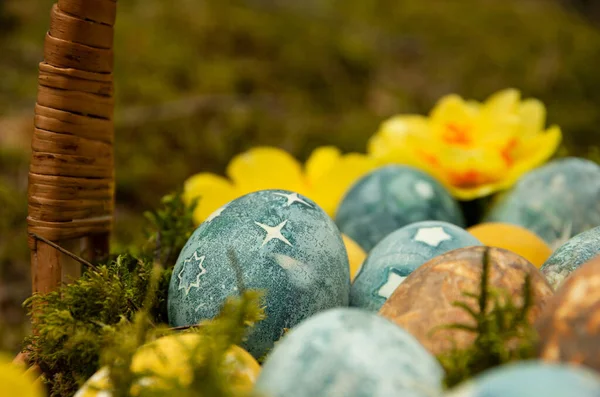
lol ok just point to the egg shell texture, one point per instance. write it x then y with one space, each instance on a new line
285 245
556 201
389 198
399 254
531 379
425 299
569 327
572 254
349 352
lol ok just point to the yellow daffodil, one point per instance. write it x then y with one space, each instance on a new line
325 178
475 149
16 381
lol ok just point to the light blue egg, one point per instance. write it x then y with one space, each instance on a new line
572 254
349 352
399 254
391 197
285 244
531 379
556 201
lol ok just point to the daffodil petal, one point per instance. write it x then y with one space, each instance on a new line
266 168
393 132
16 381
454 109
533 117
212 192
535 151
321 160
502 103
329 189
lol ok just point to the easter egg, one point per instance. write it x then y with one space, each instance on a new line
425 300
556 201
283 243
389 198
356 255
349 352
166 362
569 327
399 254
531 379
572 254
513 238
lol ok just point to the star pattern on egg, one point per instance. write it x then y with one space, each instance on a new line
274 233
292 198
393 281
432 236
195 259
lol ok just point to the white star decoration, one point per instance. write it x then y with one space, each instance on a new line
194 258
215 214
292 198
432 236
393 281
424 189
274 232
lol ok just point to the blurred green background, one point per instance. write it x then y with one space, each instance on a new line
199 81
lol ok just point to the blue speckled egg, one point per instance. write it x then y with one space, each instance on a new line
389 198
556 201
531 379
572 254
349 352
399 254
285 245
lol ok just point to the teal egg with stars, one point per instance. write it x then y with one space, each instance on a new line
569 256
349 352
399 254
531 379
283 243
391 197
556 201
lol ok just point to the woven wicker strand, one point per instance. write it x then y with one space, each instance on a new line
71 176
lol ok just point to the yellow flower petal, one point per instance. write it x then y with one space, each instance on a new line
533 117
329 189
321 161
356 255
16 381
502 103
212 192
535 151
393 133
452 109
266 168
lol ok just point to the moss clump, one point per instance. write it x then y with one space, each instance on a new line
503 332
71 323
74 323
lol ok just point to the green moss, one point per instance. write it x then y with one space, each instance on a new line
75 322
503 332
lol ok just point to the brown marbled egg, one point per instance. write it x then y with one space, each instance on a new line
424 300
569 326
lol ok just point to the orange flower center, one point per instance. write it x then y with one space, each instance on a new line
468 178
456 134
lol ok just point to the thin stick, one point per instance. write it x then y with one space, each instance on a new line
184 327
64 251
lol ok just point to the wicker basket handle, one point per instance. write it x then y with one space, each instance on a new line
71 176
